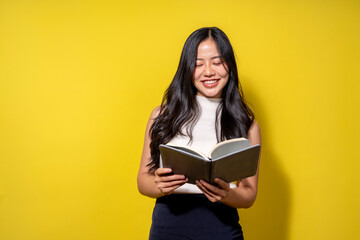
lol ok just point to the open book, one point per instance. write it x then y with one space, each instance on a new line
230 160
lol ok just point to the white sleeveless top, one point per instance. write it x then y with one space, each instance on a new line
204 136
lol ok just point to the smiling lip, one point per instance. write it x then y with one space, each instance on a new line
210 83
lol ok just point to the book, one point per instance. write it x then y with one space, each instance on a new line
230 160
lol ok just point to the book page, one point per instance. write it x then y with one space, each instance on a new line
189 150
228 146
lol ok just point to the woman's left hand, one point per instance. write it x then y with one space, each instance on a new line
213 193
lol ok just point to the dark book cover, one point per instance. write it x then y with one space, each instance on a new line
233 166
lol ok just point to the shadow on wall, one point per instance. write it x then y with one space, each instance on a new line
268 218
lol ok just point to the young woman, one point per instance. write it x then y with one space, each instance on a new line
203 105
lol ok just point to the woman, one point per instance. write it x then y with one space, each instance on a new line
203 105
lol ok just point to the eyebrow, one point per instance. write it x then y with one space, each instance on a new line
210 58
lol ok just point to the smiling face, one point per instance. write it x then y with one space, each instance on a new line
210 74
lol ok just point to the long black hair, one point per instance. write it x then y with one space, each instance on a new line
179 109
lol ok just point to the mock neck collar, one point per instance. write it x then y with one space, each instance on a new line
206 100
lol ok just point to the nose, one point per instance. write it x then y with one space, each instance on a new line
209 71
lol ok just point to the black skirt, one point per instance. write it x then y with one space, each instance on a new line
193 216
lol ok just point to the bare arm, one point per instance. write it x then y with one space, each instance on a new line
244 195
158 183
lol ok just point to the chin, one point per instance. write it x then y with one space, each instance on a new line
210 95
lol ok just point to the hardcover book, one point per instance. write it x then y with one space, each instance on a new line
230 160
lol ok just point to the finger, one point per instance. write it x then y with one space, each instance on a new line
172 183
170 178
213 189
211 199
224 185
162 171
211 196
203 190
170 190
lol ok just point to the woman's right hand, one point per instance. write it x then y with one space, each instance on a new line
162 181
168 182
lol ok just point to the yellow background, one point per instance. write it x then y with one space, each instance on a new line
78 80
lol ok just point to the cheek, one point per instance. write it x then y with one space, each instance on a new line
223 73
196 75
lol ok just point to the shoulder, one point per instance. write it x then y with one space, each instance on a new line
155 113
254 127
254 133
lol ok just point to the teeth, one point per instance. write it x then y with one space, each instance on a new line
211 81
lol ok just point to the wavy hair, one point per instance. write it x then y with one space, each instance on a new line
179 110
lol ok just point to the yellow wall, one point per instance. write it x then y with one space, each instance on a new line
78 81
